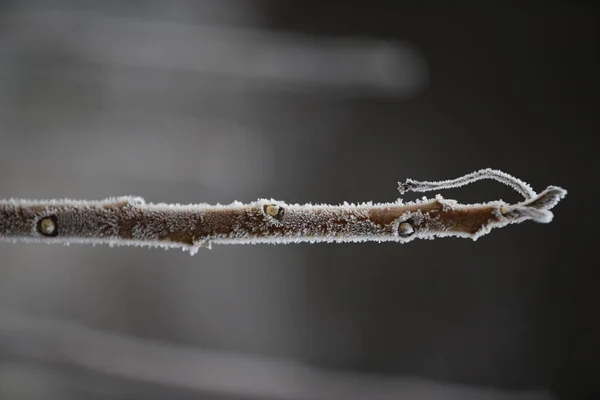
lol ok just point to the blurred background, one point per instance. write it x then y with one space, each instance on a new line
302 101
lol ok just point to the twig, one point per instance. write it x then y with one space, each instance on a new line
130 221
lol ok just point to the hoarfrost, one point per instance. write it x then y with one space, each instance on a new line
129 220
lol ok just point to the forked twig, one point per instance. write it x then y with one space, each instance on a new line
130 221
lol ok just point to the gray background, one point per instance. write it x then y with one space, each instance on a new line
303 101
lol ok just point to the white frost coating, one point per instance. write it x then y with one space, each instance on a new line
71 202
129 220
538 208
424 186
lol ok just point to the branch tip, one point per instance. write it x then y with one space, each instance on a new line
516 184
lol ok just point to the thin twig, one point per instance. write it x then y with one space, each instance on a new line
423 186
131 221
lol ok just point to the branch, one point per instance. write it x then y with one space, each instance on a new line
131 221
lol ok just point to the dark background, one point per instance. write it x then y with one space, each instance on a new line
302 101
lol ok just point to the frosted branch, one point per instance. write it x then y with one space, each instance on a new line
130 221
424 186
